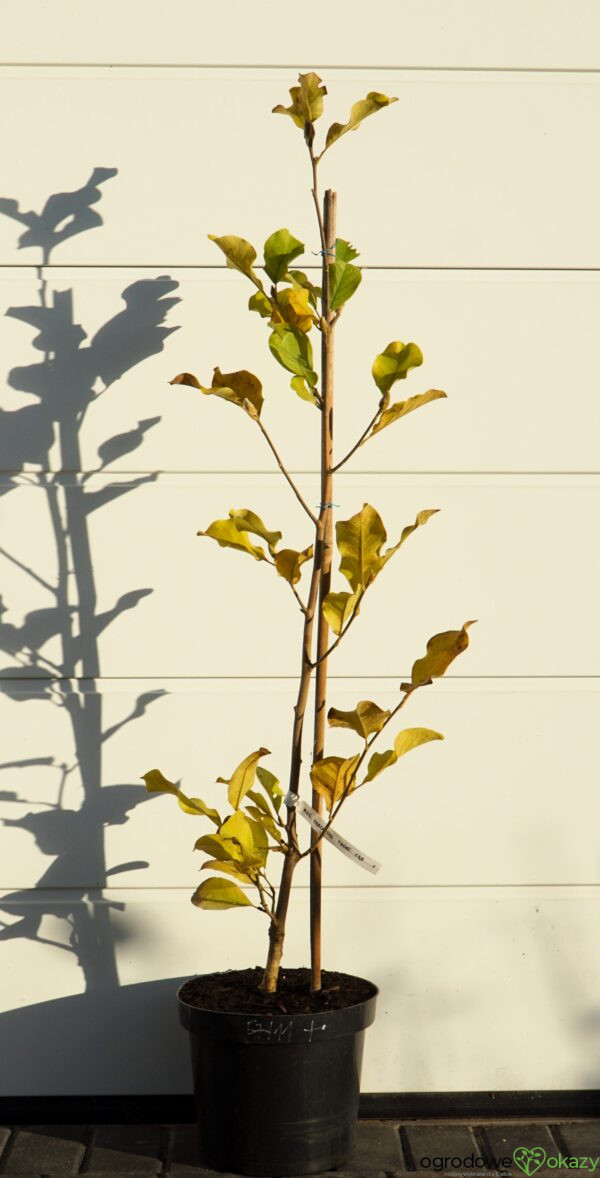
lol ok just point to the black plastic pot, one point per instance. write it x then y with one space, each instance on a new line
276 1095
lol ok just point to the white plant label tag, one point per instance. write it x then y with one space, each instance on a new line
292 802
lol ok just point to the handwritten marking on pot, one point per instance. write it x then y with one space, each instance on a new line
269 1030
311 1030
292 801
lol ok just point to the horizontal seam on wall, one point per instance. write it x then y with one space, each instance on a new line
372 266
267 678
298 887
345 68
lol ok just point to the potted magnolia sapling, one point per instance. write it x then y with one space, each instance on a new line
276 1051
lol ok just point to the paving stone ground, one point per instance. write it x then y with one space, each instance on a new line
384 1149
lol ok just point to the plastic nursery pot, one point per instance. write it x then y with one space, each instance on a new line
277 1094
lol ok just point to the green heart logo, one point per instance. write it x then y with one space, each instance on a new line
529 1160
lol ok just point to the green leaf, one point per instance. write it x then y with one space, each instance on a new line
228 869
359 111
259 802
157 783
364 719
343 281
246 521
259 302
401 408
228 535
280 249
293 351
307 100
271 786
242 778
219 894
289 563
409 738
344 252
442 649
225 850
332 777
240 255
338 609
359 540
236 387
395 363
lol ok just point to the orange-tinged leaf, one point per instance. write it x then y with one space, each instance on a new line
332 778
237 387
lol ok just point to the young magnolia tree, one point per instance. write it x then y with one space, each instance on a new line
261 822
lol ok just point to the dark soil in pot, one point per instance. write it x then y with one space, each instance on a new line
237 991
276 1076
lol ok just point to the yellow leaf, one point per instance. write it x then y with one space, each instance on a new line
332 778
442 649
289 563
359 111
364 719
302 388
421 518
225 850
307 100
401 408
359 540
409 738
240 255
219 894
246 521
242 778
293 307
338 609
157 783
266 819
395 363
238 827
228 535
236 387
227 869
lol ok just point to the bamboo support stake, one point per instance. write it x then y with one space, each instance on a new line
326 513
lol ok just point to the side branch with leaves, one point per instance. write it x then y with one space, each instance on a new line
258 824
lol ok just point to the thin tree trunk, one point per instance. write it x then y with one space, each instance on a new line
326 510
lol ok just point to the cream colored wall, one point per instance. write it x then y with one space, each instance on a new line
474 204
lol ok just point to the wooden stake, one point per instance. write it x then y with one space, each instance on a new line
325 513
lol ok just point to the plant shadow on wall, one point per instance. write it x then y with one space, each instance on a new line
66 381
